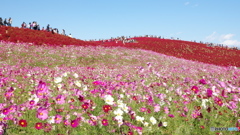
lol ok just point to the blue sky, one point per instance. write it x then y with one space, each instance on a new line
216 21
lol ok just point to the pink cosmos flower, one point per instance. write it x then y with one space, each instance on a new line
42 86
58 118
105 122
42 113
143 109
166 110
232 105
60 99
40 94
66 122
74 123
157 108
12 108
9 93
218 101
209 93
223 94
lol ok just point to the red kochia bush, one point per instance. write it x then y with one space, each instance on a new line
15 34
178 48
185 49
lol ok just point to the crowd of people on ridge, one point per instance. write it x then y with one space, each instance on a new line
6 22
34 26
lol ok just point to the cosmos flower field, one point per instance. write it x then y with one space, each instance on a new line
113 90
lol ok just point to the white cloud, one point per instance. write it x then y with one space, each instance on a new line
212 37
231 43
227 36
186 3
226 39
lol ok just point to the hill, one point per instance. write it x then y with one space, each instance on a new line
178 48
113 90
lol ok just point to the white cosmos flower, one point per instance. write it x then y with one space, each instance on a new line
65 74
141 119
109 99
125 108
120 103
165 124
85 87
34 97
57 79
146 124
51 119
119 118
204 103
78 83
121 96
59 86
118 112
75 75
153 120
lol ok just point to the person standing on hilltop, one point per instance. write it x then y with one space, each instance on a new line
10 21
5 22
63 32
24 25
1 23
48 28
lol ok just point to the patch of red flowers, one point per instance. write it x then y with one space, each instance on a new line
38 126
106 108
85 106
22 123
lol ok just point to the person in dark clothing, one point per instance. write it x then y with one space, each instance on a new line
5 22
10 22
48 28
1 21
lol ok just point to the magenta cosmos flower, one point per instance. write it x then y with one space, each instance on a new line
6 111
60 99
171 115
105 122
42 113
195 89
74 123
202 81
209 92
38 126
